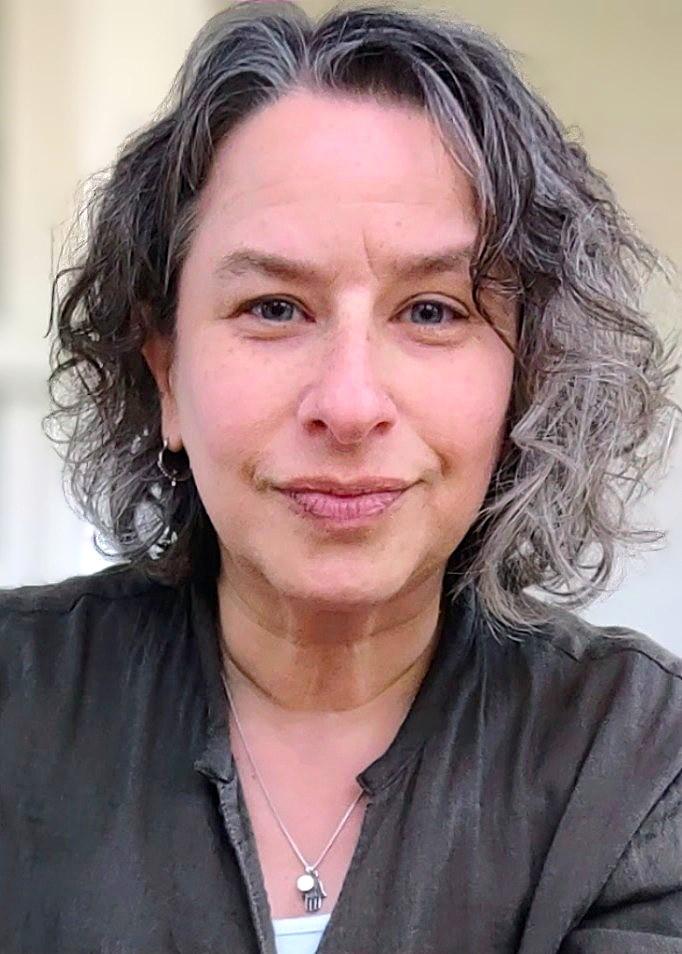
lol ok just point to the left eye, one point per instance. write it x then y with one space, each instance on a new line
279 311
433 311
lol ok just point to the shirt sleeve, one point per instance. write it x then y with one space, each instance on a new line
639 910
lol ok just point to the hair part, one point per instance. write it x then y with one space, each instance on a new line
591 410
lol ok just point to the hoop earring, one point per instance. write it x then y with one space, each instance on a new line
174 476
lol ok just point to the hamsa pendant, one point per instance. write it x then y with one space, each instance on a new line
312 889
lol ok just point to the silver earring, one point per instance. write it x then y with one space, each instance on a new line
174 476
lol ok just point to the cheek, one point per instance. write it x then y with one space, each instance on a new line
224 403
471 445
468 422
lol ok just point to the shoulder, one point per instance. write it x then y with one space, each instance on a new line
607 719
45 624
610 694
79 652
585 645
90 668
621 669
613 665
115 584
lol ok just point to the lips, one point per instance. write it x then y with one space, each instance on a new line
343 507
329 485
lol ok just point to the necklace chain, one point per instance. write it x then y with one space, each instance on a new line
285 832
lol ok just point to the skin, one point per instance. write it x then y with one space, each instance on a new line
332 632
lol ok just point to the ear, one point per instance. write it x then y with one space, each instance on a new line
158 353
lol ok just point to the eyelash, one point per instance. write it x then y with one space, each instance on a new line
249 306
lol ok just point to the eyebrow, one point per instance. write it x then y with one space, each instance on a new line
244 260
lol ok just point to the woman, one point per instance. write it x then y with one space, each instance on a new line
350 361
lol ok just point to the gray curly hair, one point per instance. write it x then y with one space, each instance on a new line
591 406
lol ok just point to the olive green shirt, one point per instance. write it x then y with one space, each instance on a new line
531 801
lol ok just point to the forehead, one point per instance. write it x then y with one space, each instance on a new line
310 149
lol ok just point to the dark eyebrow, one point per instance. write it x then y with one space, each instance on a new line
244 260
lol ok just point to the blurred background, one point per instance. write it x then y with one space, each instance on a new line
77 76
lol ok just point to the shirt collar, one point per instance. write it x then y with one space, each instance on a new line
428 710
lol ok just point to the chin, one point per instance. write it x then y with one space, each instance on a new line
337 590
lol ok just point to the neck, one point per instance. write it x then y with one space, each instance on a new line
336 663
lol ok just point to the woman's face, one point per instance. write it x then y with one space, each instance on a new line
357 365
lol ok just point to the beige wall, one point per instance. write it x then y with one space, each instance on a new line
614 69
77 75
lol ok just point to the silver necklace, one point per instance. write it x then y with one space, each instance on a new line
308 883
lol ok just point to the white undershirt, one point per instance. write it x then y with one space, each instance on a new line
299 935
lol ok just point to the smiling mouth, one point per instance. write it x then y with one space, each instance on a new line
345 508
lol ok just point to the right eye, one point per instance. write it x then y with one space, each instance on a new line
270 310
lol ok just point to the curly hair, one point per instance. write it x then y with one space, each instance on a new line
591 405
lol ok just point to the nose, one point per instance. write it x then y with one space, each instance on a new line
347 399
